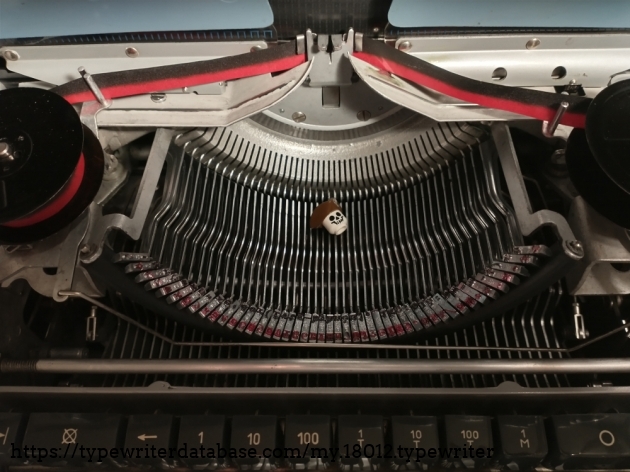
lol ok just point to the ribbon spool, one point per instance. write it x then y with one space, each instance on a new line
598 158
51 166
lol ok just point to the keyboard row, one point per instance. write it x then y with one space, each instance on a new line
315 441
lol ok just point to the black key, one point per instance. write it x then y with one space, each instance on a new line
150 436
11 432
360 437
310 435
523 441
197 433
469 439
251 435
413 437
599 440
75 438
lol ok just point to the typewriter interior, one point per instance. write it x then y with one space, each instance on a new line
377 223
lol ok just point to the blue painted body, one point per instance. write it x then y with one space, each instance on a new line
42 18
510 13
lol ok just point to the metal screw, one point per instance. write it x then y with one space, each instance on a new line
111 163
559 158
364 115
533 43
258 47
576 248
5 152
158 97
132 52
404 46
558 164
375 29
11 55
298 117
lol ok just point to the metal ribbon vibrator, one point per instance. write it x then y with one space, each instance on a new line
275 225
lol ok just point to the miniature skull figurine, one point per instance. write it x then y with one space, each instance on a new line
329 215
335 222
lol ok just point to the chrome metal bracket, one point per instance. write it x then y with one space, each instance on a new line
47 265
331 67
101 224
528 220
242 98
605 244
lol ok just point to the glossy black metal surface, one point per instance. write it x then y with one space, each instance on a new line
46 134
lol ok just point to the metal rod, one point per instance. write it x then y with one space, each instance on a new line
317 366
549 129
89 80
93 301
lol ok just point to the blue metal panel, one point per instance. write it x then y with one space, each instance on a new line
39 18
510 13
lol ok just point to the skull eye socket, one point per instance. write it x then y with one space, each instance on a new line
331 218
338 214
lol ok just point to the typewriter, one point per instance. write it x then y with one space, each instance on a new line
314 235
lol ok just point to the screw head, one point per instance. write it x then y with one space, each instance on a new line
6 156
132 52
298 117
158 97
558 158
575 248
5 150
558 163
11 55
532 43
404 46
364 115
